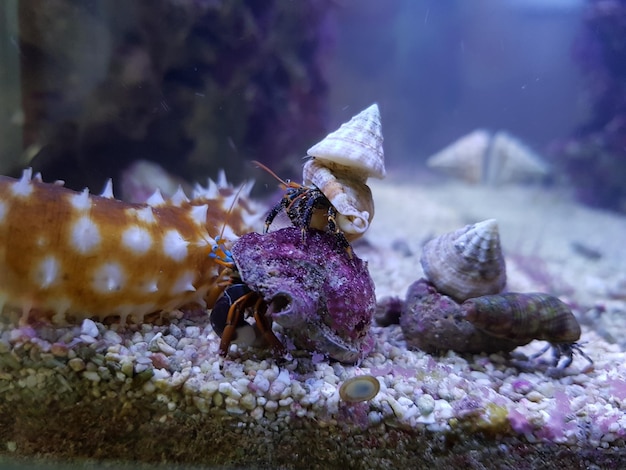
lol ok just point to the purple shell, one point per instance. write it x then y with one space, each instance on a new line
434 322
322 298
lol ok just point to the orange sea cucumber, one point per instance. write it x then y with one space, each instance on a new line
70 255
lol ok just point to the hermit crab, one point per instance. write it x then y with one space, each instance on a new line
460 304
334 193
320 297
524 317
305 278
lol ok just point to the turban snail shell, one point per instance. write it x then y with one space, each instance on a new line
466 263
340 165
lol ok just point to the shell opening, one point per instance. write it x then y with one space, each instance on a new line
360 388
356 224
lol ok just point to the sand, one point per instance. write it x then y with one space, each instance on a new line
160 393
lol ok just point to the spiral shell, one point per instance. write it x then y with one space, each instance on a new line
466 263
463 158
340 165
523 317
482 157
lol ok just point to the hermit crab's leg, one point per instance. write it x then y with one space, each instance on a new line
233 319
264 325
222 308
307 212
332 226
271 215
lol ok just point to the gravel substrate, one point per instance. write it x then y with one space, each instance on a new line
159 391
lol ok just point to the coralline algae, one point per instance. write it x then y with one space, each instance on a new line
321 295
434 322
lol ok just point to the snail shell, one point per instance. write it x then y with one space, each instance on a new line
359 388
482 157
523 317
466 263
464 158
340 165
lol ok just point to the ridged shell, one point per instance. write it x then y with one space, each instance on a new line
463 158
523 317
357 144
466 263
481 157
511 160
351 197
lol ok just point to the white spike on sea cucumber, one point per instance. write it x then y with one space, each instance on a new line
198 214
107 192
23 187
81 201
156 199
179 197
222 182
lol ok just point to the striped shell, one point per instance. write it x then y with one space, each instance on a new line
523 317
340 165
464 158
466 263
68 254
482 157
357 144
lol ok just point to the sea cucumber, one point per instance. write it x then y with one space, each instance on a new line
69 255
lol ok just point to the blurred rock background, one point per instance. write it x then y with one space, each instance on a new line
89 87
195 85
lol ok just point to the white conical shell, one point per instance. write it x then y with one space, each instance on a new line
464 158
482 157
510 160
350 196
466 263
358 144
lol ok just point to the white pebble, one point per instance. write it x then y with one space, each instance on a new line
227 389
76 364
248 401
192 332
257 413
91 375
285 401
241 385
261 383
271 406
89 328
443 409
426 404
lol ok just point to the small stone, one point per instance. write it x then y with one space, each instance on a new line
91 376
59 349
175 331
218 400
192 332
248 401
89 328
76 364
426 404
227 389
257 413
127 367
111 337
285 401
